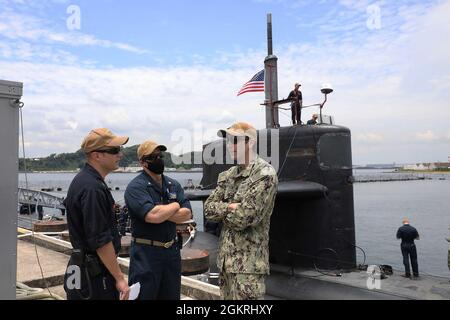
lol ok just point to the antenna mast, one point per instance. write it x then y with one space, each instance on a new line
271 79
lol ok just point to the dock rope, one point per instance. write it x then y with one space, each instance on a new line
24 292
21 105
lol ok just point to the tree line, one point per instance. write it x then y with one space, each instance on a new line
76 160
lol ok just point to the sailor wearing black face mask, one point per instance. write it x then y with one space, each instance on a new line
156 203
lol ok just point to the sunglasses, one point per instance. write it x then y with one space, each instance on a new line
153 157
115 150
235 140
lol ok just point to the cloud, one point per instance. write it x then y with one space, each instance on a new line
370 138
20 50
26 27
71 125
80 39
68 101
427 136
32 3
388 86
268 1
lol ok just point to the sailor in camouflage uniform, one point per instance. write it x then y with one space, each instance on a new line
243 201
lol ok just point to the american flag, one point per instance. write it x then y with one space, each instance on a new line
254 85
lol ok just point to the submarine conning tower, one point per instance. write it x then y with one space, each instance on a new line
312 223
313 219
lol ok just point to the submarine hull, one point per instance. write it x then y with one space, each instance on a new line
312 224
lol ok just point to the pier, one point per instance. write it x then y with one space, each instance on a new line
387 178
53 256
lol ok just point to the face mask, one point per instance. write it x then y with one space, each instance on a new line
156 166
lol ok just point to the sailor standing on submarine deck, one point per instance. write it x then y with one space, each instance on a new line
408 234
296 104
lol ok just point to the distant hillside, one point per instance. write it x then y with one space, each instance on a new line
76 160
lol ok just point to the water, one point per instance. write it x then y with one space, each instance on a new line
379 210
37 181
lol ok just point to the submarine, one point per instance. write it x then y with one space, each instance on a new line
312 249
312 223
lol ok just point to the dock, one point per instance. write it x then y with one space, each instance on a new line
53 266
308 284
387 178
54 255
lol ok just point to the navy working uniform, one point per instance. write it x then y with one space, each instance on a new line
408 234
155 259
92 224
296 104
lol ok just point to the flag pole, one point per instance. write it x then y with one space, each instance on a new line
271 79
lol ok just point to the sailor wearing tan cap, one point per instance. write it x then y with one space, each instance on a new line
156 203
243 202
93 271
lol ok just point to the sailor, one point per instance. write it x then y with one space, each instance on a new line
296 104
40 211
313 120
156 203
93 271
408 234
243 201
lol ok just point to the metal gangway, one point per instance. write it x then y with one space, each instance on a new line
34 197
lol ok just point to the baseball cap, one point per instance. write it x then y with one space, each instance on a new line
101 138
147 147
239 129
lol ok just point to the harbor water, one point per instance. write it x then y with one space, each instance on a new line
379 210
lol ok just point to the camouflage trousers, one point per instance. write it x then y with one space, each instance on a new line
241 286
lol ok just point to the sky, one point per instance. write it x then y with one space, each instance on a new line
170 70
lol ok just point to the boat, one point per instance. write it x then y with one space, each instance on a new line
312 230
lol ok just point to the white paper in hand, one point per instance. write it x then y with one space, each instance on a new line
134 291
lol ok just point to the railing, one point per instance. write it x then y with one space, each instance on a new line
39 198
